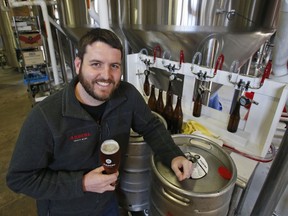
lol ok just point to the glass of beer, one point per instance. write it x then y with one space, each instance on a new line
110 156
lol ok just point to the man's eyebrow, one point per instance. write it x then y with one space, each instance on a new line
99 61
95 60
118 63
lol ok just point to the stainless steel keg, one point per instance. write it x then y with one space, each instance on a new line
134 190
207 192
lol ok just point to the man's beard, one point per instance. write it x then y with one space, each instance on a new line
89 87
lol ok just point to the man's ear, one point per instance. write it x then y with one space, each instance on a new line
77 64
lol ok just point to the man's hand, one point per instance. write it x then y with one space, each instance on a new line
182 167
96 181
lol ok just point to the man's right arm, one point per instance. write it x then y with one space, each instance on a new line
28 171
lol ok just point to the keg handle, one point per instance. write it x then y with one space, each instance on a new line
175 198
205 145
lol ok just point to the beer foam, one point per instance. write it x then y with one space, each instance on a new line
109 147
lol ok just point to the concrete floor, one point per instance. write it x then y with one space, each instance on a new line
14 107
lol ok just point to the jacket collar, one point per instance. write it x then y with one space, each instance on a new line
72 108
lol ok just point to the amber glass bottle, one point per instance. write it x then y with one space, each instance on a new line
160 103
197 105
152 99
169 90
234 118
168 110
177 118
146 83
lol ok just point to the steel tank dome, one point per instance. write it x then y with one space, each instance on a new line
236 29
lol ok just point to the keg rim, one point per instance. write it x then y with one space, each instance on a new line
176 189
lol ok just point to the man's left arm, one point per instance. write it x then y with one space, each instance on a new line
159 139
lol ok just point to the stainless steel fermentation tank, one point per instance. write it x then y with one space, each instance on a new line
235 28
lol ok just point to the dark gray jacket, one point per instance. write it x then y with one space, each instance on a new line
59 142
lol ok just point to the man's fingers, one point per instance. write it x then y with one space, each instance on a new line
99 169
182 168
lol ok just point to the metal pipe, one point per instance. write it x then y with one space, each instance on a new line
260 55
275 182
8 36
56 25
92 13
43 6
73 56
103 14
62 57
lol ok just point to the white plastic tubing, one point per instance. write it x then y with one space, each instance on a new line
43 6
280 54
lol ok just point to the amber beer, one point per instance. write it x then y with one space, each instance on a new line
110 156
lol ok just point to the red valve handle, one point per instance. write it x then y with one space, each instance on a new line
267 72
157 48
219 63
181 57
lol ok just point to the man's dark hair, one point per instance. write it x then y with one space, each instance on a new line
98 34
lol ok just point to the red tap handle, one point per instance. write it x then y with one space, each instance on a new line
219 63
181 57
267 72
157 48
